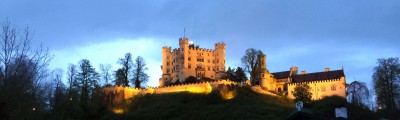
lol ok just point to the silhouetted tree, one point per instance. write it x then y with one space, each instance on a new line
230 74
302 93
140 76
88 81
71 77
119 76
386 80
127 66
358 93
106 73
240 75
251 63
59 97
22 73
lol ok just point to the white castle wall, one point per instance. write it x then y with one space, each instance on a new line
317 88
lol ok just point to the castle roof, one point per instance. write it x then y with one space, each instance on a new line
281 75
336 74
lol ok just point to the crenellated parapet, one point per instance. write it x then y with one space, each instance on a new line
120 93
312 82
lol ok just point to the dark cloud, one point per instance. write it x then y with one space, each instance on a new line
311 34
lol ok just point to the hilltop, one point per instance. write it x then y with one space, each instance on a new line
245 105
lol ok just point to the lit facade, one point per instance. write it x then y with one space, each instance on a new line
326 83
191 60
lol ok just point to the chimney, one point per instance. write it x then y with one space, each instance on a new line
327 69
303 72
294 70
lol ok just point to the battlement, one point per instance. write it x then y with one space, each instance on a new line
200 87
312 82
220 44
166 49
197 47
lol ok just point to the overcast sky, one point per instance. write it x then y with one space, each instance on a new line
309 34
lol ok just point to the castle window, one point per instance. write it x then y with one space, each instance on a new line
323 88
333 88
213 61
217 61
189 59
208 68
189 66
262 75
167 63
208 60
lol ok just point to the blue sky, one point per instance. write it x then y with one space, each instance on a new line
309 34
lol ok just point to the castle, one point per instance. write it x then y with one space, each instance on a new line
191 60
326 83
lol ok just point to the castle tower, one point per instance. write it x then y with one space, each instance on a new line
183 58
262 79
220 59
266 79
166 66
263 62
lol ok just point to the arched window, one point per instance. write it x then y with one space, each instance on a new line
279 89
333 88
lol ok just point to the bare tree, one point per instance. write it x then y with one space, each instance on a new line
251 63
386 79
358 93
140 76
105 72
57 90
22 70
71 77
127 66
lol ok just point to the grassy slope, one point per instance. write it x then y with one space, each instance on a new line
246 105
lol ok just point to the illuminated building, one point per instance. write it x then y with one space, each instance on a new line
191 60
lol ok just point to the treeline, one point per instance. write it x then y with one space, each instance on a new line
29 90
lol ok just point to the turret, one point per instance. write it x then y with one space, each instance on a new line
220 57
262 59
183 58
166 66
183 42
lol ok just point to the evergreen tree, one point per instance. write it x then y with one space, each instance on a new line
88 81
119 76
240 75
